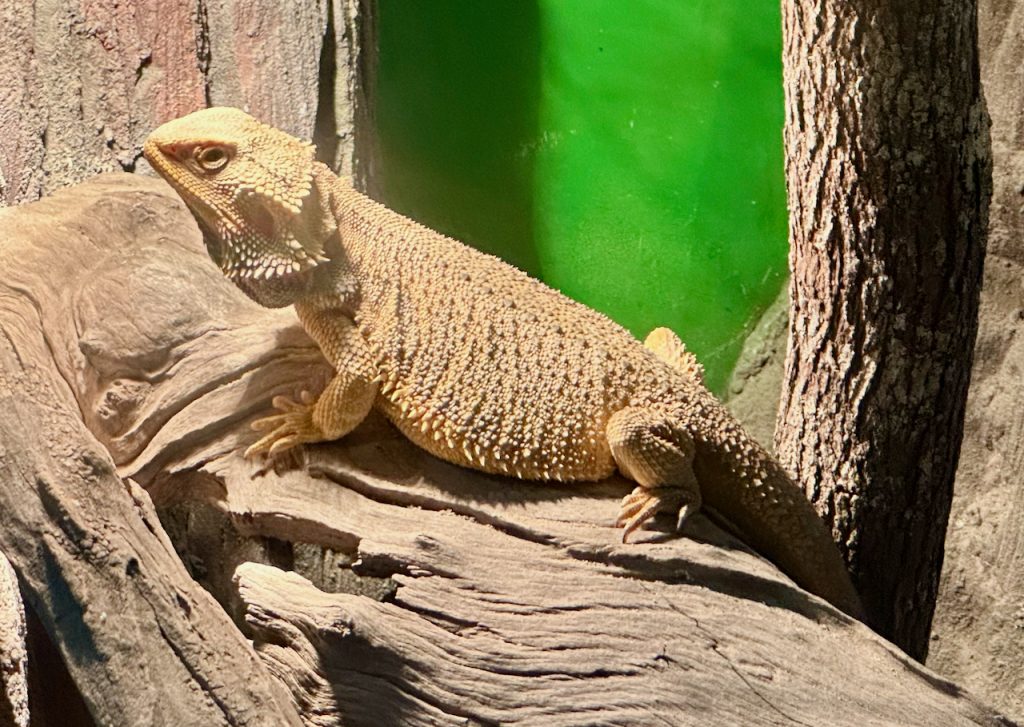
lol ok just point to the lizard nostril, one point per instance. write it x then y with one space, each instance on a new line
169 148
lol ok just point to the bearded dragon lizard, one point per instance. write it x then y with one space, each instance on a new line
469 357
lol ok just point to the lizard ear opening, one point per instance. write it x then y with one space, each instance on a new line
262 220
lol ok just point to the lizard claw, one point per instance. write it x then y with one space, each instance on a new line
291 427
643 503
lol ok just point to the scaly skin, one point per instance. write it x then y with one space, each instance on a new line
472 359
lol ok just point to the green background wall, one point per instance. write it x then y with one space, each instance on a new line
629 154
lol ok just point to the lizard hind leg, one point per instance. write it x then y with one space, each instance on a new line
653 449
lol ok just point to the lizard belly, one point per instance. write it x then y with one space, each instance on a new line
537 449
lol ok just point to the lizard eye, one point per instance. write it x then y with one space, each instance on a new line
212 158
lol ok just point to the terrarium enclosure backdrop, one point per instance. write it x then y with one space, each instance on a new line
630 154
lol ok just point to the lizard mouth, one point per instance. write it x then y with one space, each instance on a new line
164 158
274 285
159 159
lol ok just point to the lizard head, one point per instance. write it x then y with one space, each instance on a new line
252 191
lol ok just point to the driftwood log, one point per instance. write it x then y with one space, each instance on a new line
143 642
129 370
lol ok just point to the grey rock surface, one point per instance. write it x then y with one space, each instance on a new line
978 633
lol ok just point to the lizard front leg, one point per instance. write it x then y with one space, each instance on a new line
341 406
654 449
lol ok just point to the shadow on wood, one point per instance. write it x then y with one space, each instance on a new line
503 601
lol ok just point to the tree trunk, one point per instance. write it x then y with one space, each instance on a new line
887 166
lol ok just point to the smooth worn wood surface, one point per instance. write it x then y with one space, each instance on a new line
503 601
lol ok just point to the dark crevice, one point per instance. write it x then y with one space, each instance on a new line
203 48
130 165
53 697
325 128
281 553
388 497
145 62
362 39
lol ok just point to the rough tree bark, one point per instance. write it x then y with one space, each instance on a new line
83 83
888 174
13 637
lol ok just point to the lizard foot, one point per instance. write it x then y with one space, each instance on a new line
643 503
293 426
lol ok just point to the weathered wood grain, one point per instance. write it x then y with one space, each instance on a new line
145 645
509 602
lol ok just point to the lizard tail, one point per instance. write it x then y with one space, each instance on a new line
751 490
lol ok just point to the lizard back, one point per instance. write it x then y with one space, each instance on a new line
485 365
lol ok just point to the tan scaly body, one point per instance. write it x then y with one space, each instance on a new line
473 360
